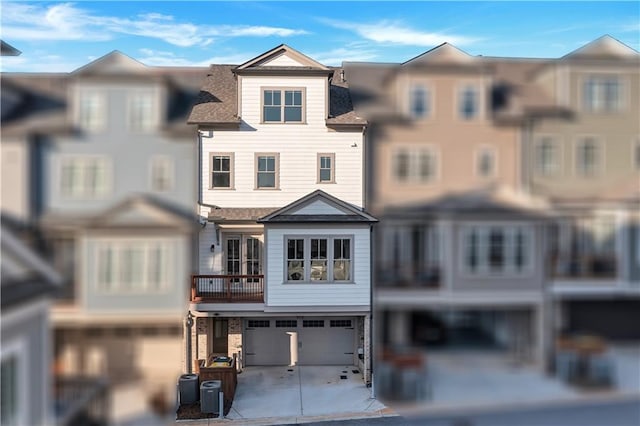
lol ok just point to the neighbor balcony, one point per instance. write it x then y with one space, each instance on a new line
584 267
227 289
428 276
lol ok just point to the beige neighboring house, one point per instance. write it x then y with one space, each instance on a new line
459 247
588 167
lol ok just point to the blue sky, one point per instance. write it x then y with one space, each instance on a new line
62 36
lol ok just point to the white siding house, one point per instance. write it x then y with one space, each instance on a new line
281 169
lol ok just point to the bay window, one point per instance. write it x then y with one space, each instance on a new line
497 250
319 260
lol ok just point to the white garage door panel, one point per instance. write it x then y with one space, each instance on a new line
314 339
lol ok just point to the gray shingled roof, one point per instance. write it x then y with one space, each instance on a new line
218 104
239 214
38 102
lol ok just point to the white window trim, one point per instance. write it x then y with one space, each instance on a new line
307 259
557 166
623 99
108 176
18 347
282 89
277 171
332 155
458 90
484 227
476 161
231 156
117 246
429 101
601 160
102 109
413 175
169 163
155 113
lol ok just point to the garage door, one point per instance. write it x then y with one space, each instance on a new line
301 341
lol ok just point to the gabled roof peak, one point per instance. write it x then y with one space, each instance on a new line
444 54
113 63
282 56
604 47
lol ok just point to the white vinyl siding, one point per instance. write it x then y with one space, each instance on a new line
283 293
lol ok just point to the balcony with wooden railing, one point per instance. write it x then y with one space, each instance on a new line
227 288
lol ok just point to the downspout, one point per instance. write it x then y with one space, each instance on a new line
371 310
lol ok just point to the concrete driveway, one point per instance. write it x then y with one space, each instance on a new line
303 391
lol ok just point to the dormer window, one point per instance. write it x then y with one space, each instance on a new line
419 102
468 103
141 112
602 94
283 105
91 110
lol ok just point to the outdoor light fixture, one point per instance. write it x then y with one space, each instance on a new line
212 248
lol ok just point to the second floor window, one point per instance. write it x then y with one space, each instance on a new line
133 266
415 165
267 171
546 156
496 250
311 259
91 111
468 103
161 173
602 94
587 157
84 178
221 171
419 102
486 163
141 112
283 105
326 168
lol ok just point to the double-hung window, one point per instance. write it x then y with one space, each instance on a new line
486 162
267 166
468 103
84 177
546 156
418 165
221 170
161 170
92 110
497 250
419 102
133 266
588 157
283 105
326 168
319 260
602 94
142 117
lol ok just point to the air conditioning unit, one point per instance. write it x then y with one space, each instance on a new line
209 395
188 388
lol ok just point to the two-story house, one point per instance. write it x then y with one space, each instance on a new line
459 249
588 166
105 165
285 248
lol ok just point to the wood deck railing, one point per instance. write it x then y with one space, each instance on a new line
227 288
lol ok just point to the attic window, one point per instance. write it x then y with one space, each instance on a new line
283 105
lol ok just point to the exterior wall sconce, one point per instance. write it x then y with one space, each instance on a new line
212 248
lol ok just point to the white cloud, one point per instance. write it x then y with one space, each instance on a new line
336 56
66 21
164 58
395 32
